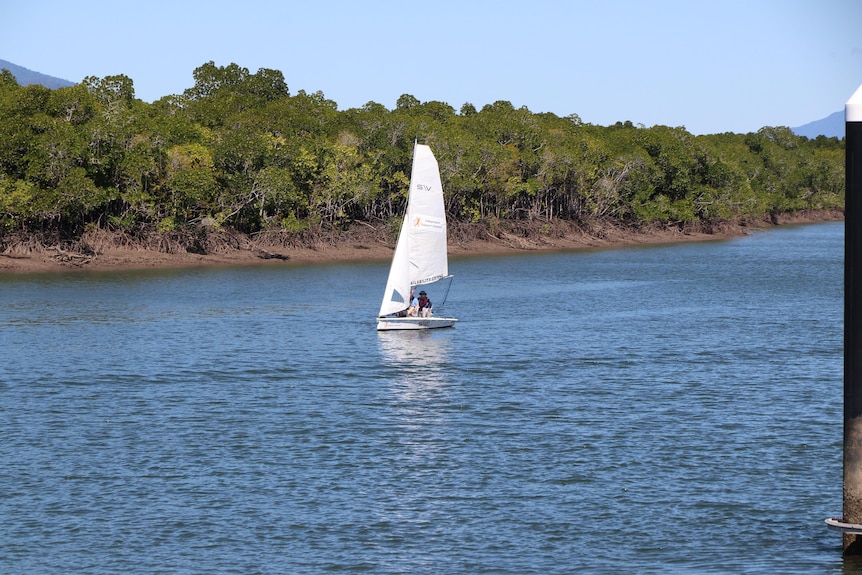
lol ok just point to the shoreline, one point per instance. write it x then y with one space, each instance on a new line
369 248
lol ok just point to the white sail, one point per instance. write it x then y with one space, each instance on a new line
420 255
397 295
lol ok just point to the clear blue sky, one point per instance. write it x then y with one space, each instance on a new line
709 65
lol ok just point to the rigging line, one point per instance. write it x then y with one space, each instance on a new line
448 287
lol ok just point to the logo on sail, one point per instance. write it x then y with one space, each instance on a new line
430 223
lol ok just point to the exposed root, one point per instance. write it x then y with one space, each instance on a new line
376 240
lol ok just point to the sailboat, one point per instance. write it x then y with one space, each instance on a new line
420 256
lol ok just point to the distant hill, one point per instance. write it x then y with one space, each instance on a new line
832 126
26 77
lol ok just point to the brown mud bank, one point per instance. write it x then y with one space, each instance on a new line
99 250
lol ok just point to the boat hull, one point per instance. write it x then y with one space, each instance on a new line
393 323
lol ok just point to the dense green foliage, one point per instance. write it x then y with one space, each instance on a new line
238 151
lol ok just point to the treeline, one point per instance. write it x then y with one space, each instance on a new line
237 151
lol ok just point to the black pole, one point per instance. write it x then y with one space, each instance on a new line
853 322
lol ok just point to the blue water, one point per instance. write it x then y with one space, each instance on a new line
649 410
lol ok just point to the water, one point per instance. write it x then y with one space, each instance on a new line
649 410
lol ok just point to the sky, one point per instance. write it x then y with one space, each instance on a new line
710 66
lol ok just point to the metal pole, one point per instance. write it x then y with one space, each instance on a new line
852 542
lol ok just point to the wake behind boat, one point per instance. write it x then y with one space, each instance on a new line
421 256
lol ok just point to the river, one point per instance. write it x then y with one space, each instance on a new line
651 409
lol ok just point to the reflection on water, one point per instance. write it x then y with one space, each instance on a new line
415 349
420 387
419 356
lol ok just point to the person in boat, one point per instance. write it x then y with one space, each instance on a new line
424 304
413 310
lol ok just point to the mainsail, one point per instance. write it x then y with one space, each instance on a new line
420 255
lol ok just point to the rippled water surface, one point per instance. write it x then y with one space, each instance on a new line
656 409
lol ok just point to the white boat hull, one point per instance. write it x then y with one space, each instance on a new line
391 323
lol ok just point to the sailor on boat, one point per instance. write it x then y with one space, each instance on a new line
424 305
413 310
